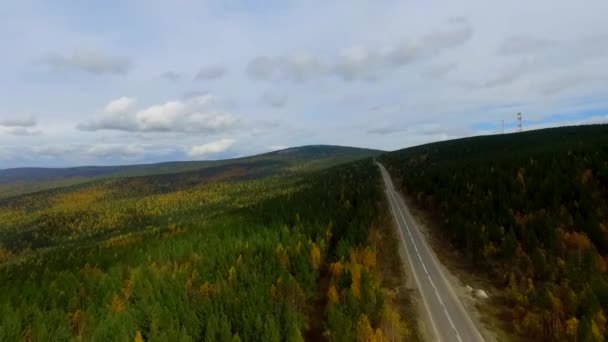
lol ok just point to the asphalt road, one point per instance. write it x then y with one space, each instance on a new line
448 319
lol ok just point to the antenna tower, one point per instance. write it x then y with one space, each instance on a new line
519 122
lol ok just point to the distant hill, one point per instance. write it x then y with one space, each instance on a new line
277 247
26 180
531 211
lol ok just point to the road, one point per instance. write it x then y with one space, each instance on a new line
448 319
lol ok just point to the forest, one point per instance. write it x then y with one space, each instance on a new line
530 211
237 252
17 181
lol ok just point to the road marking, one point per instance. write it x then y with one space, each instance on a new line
435 262
393 195
426 304
430 280
392 198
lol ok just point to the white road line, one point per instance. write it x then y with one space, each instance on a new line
394 196
426 304
430 280
436 263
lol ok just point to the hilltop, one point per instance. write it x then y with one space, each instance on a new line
26 180
528 211
285 246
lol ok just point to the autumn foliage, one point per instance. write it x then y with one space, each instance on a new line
180 258
530 211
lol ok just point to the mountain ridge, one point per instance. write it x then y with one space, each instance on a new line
16 181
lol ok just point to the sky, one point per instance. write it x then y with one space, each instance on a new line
142 81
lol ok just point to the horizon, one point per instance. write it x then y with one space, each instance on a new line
296 147
192 160
115 83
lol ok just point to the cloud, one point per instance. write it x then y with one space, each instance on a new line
439 71
293 68
192 115
194 93
171 76
386 130
521 44
261 68
114 150
210 72
55 151
115 116
210 148
20 131
19 122
277 147
121 105
360 63
19 126
91 61
325 69
432 44
506 76
418 129
274 99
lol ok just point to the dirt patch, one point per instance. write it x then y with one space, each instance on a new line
489 315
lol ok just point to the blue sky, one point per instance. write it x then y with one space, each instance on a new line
121 82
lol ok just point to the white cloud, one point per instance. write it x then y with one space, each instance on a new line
121 105
114 150
210 148
439 71
20 131
521 44
358 54
192 115
386 129
274 99
23 126
171 76
210 72
432 44
115 116
28 121
297 68
262 68
277 147
54 151
506 76
90 60
360 62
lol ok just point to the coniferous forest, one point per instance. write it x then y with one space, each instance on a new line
224 255
529 210
271 251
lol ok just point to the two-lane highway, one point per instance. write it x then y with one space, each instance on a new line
448 318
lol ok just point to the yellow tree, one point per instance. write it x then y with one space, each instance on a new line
572 327
117 305
364 330
355 285
332 295
315 256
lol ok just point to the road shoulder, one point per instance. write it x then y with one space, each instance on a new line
424 325
459 275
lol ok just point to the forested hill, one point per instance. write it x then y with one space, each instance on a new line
529 209
25 180
227 253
